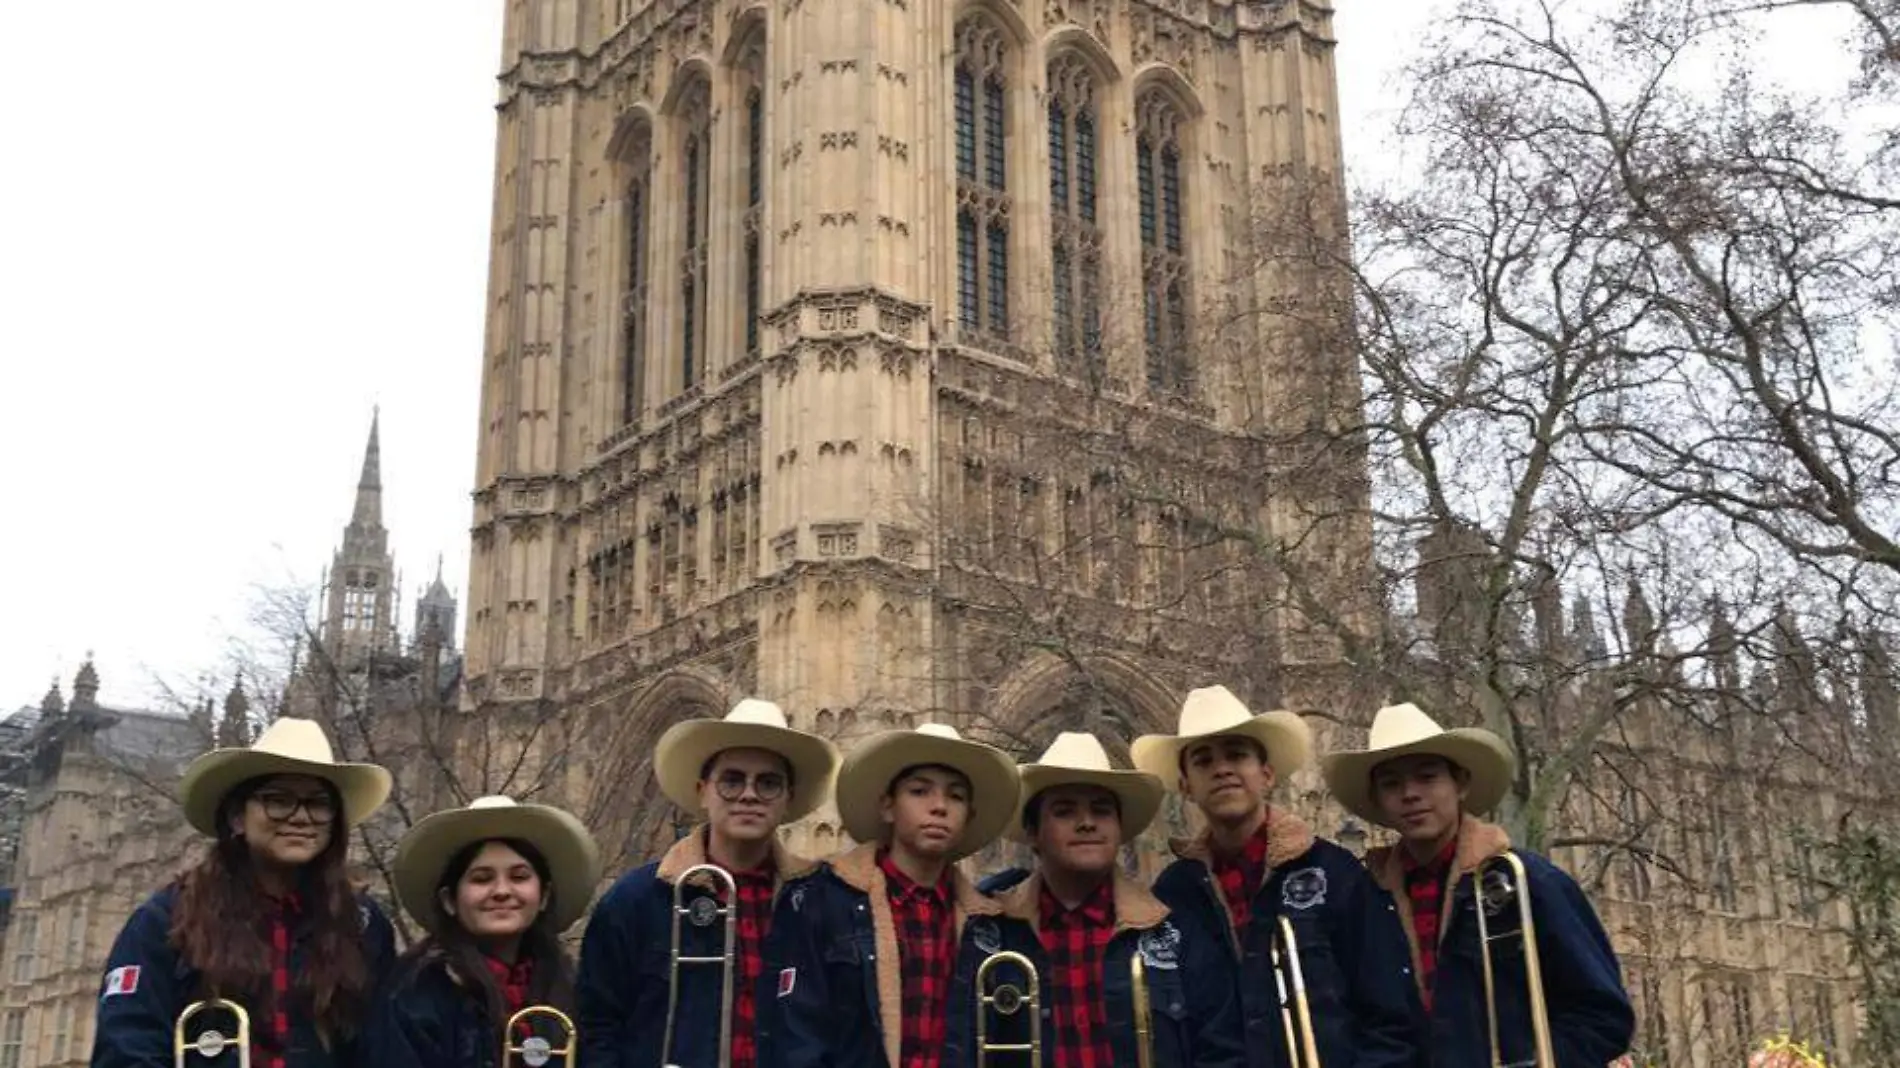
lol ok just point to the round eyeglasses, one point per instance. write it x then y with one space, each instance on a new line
768 785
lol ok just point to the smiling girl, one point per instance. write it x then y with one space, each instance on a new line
494 885
267 919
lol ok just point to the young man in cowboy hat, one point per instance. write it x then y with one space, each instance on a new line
880 941
1085 924
1255 864
1427 783
746 774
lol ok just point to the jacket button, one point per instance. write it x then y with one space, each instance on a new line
870 956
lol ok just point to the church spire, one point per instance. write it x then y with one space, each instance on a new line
369 488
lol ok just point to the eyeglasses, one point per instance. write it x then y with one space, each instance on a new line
282 807
769 785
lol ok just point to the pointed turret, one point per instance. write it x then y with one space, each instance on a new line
86 687
369 487
234 730
435 611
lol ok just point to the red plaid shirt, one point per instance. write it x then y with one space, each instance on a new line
1240 876
926 954
1425 886
514 980
1077 941
270 1043
755 922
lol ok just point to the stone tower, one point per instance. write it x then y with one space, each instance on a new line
359 618
818 333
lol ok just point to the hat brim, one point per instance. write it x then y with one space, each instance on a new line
869 769
1139 793
686 747
362 787
572 856
1482 754
1286 737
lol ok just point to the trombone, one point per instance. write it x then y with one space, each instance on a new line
1008 1000
211 1042
702 912
535 1050
1144 1012
1296 1010
1512 883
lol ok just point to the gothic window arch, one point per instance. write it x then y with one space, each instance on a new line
751 199
695 118
636 229
1075 237
1164 274
981 89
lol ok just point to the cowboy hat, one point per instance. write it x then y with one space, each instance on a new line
572 856
289 746
1405 730
685 748
1214 710
1076 759
869 769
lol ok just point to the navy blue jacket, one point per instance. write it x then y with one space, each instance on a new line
839 980
626 965
1591 1021
1194 1016
1360 988
425 1019
147 985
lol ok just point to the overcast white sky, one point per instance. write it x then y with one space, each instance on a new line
232 228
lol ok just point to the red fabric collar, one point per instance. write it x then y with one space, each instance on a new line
1095 910
1433 868
903 887
514 979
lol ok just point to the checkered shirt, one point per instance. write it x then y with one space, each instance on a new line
270 1043
1425 886
1077 941
755 922
1240 876
926 954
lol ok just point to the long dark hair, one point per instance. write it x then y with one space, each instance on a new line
553 980
220 925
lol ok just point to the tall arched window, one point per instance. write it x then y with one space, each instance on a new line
696 175
633 299
1164 275
1075 237
754 212
981 92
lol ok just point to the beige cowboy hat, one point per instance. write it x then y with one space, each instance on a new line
1405 730
752 724
573 857
869 769
1075 758
289 746
1214 710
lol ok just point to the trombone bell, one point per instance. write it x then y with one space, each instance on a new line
1008 1001
536 1050
211 1042
1500 883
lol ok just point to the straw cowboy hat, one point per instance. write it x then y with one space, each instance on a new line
572 855
289 746
1074 759
1214 710
752 724
868 771
1405 730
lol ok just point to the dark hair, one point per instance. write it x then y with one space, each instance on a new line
221 926
1032 809
791 773
908 770
451 944
1180 757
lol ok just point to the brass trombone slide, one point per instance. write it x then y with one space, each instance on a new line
536 1051
211 1042
1499 882
1144 1012
1296 1009
1008 1000
702 912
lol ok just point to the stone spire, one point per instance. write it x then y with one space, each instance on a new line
53 703
234 730
86 687
369 487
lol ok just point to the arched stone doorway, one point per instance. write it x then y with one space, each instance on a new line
621 798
